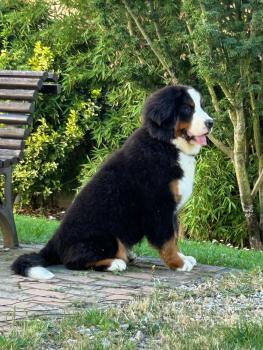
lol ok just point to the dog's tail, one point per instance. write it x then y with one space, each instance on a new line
33 265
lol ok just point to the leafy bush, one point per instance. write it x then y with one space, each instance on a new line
49 151
214 211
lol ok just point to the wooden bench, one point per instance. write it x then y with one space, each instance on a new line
18 93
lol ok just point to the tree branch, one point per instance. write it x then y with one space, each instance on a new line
227 94
257 185
225 149
213 97
150 43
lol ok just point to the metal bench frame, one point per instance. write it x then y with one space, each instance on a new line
21 88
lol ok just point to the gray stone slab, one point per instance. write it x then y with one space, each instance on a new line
22 297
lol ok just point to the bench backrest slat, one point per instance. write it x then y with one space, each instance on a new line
8 153
14 133
16 119
12 144
24 74
17 107
24 83
18 94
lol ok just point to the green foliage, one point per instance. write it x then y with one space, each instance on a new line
42 59
214 211
50 150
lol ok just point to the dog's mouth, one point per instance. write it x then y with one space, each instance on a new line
200 139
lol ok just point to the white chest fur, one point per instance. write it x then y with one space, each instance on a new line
185 184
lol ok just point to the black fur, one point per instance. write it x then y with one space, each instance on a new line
127 199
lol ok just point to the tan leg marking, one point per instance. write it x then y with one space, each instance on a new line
169 254
174 188
103 262
122 252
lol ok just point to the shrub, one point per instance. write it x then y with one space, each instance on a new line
48 153
214 211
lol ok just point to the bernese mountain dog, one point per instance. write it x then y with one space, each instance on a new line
136 193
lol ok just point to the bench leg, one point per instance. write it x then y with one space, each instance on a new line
7 222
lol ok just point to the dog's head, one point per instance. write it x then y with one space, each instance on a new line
174 114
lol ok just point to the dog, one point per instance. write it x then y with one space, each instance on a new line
136 193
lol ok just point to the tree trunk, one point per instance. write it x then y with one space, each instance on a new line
243 182
258 142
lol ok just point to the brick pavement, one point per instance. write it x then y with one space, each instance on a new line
22 298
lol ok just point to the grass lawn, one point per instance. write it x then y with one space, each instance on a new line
220 314
39 230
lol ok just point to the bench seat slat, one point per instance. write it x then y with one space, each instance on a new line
19 94
14 133
24 83
16 119
23 74
19 107
12 144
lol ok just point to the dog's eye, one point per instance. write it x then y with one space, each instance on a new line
187 109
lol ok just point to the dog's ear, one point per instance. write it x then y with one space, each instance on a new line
161 107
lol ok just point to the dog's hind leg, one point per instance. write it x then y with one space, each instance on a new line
100 253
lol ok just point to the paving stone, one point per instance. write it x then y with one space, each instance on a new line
115 278
24 298
45 293
120 291
141 276
116 297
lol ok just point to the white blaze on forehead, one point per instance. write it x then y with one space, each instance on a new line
195 96
198 126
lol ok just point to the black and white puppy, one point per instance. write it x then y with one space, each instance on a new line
136 193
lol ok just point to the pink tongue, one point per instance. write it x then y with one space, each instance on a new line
201 140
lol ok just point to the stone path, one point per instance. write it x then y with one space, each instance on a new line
22 298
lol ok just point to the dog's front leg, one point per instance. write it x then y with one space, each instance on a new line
170 254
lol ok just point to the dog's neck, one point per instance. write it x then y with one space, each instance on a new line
191 149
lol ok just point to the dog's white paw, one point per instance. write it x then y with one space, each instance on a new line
189 262
191 259
39 273
187 266
117 265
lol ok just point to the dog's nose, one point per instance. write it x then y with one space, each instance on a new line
209 124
